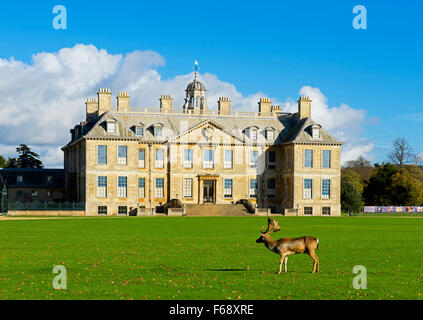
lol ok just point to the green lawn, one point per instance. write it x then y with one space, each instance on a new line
208 258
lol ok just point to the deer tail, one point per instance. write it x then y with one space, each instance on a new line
317 247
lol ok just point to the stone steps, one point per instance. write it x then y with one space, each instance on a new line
216 210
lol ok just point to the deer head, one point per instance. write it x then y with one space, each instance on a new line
272 226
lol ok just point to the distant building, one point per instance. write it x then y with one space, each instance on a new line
123 159
28 185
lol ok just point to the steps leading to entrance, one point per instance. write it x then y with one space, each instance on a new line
216 210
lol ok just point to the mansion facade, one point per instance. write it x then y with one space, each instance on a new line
124 160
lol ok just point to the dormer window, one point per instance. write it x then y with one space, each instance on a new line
270 134
252 133
158 130
111 127
139 131
19 179
315 131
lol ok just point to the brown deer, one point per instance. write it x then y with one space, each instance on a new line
288 246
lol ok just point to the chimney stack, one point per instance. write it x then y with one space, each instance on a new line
224 106
265 106
123 102
104 101
91 109
166 102
276 109
304 108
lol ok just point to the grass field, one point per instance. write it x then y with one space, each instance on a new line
208 258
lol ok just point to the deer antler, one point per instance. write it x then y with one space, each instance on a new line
272 226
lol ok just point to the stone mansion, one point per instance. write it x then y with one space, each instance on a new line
127 159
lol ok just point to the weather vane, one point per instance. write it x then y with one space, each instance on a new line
196 67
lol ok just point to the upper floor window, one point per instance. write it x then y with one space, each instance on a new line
271 188
101 154
111 127
308 158
270 134
326 158
34 193
228 159
253 133
158 130
253 159
122 155
208 159
272 159
49 179
19 179
141 158
159 163
315 131
188 158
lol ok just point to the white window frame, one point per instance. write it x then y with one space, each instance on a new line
326 196
328 161
141 189
270 134
188 187
228 164
122 191
141 162
253 133
111 127
307 192
101 190
158 190
253 191
188 163
208 164
137 132
159 163
304 160
122 161
228 191
253 164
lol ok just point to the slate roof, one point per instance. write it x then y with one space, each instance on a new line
32 178
286 126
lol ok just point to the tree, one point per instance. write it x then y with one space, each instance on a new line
3 162
378 191
408 186
351 200
360 162
27 158
402 153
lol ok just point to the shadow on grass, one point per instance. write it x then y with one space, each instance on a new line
227 270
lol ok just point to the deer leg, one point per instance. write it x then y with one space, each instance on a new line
281 262
316 261
286 264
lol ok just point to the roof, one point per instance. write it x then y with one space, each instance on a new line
31 178
196 85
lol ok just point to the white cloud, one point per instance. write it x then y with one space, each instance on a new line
42 100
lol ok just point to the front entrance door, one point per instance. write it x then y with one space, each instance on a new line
208 191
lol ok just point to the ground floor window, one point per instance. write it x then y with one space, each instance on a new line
326 211
102 187
123 210
308 211
325 189
102 210
253 188
122 187
227 192
188 188
159 188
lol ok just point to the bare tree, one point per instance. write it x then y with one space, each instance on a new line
360 162
402 153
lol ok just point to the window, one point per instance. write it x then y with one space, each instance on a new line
228 159
111 127
308 189
208 159
101 154
253 159
122 155
49 179
158 132
253 133
308 211
159 188
187 187
188 158
326 159
308 158
141 158
315 132
272 159
141 187
122 187
159 163
102 210
270 134
19 179
253 188
326 211
102 187
49 193
139 131
325 189
271 188
227 191
20 194
123 210
34 193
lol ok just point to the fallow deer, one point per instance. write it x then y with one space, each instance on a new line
288 246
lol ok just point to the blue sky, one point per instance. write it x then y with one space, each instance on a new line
275 47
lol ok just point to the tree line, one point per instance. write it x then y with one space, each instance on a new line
26 159
396 182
